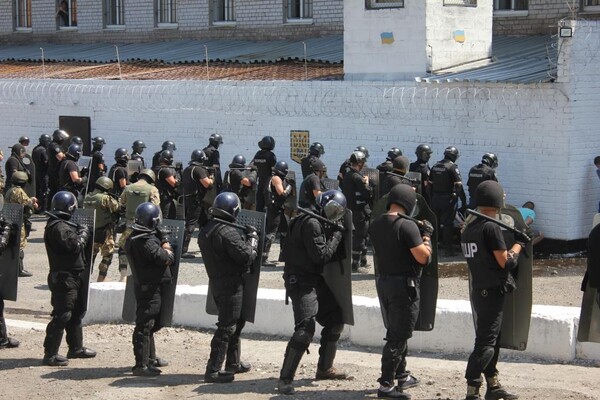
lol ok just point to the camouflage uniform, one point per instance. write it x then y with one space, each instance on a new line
2 182
16 195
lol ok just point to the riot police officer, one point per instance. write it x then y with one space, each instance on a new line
387 166
137 149
40 159
315 151
399 169
309 246
135 194
6 342
118 171
447 188
70 178
227 256
76 140
278 190
312 186
358 193
213 158
24 141
423 153
264 161
16 195
167 145
167 184
15 162
345 167
490 263
151 255
65 244
195 181
484 171
106 206
98 166
56 153
401 250
238 182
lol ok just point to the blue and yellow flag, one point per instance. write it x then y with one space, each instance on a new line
387 37
459 36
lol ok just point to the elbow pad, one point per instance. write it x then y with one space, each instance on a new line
287 191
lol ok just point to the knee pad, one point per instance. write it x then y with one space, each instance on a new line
225 333
485 355
303 334
65 317
148 326
331 333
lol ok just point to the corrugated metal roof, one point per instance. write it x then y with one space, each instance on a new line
328 49
527 59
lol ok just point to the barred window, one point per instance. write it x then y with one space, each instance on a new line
299 9
66 13
114 12
462 3
224 10
591 3
511 5
166 11
22 13
384 4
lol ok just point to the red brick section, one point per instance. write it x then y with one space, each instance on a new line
287 70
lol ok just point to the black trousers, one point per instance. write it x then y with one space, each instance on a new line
487 305
359 235
3 331
147 321
444 207
193 209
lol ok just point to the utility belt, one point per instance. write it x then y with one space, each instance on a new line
299 279
61 276
410 281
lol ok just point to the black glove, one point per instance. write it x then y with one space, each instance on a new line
163 235
522 238
288 191
84 180
334 241
252 239
83 231
249 229
425 228
84 171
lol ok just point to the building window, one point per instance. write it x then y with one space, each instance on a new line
510 5
462 3
299 9
591 5
114 12
22 14
166 12
370 4
66 13
224 10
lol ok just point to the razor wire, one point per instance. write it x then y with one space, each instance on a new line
437 101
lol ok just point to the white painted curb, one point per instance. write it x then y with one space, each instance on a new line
552 336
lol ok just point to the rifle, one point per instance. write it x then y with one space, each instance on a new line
233 224
500 223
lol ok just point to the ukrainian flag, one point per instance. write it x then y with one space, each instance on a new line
459 36
387 37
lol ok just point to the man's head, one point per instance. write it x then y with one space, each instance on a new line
597 161
358 159
18 150
489 195
529 204
400 165
404 196
319 168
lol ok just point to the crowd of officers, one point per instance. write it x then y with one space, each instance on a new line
131 198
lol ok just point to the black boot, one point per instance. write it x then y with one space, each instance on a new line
292 359
472 393
54 335
75 342
233 363
218 352
282 238
325 369
266 251
141 351
154 360
496 391
23 273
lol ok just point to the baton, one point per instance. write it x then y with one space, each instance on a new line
322 219
233 224
70 223
497 222
411 180
408 217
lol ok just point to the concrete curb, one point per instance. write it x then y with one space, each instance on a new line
552 335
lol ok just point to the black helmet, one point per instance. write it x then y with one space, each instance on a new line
451 153
364 150
147 217
148 174
423 152
489 194
239 161
19 178
358 157
403 195
169 145
198 156
74 151
98 143
332 204
138 146
226 206
281 169
400 164
490 159
63 204
393 153
267 143
59 136
319 165
121 154
24 140
104 183
215 139
18 149
166 157
77 140
45 140
316 149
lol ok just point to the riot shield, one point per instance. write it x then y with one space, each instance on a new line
9 259
373 175
251 197
85 162
174 229
517 305
589 318
30 185
86 217
429 276
338 272
292 201
415 182
134 167
251 279
330 184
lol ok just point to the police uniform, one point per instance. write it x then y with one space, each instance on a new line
311 183
233 182
306 165
358 195
16 195
40 159
383 169
214 161
14 164
307 249
65 181
106 207
422 167
138 157
275 207
227 256
2 181
264 161
168 193
194 192
117 172
479 173
151 273
5 340
345 168
53 181
97 167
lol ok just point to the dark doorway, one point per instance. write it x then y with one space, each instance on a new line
78 126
